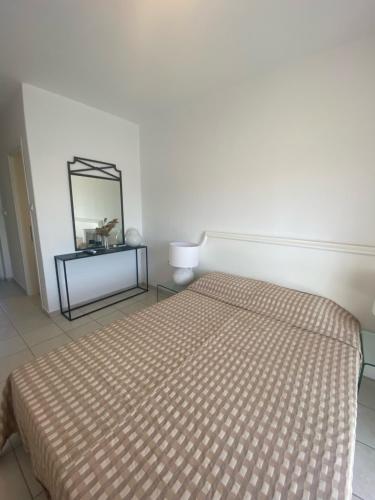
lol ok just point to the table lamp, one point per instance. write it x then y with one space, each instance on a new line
183 256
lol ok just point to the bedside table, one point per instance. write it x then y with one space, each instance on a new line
168 288
368 351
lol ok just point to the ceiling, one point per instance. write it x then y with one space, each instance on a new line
133 57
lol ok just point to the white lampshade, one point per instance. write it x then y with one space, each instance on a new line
183 254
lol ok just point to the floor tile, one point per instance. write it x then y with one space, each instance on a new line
364 467
107 305
25 464
164 294
67 325
366 425
103 312
50 345
35 299
3 318
7 331
54 314
10 288
19 305
131 300
150 295
109 318
25 323
42 334
83 330
11 346
12 483
133 308
9 363
366 394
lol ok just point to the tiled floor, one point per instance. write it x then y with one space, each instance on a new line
25 332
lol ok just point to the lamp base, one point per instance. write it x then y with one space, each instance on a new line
183 275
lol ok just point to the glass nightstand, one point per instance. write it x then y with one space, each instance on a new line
167 289
368 350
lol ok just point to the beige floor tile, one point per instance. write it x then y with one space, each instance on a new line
11 362
83 330
364 467
366 425
54 314
35 299
67 325
106 304
42 334
132 308
15 306
10 289
164 294
50 345
103 312
25 323
150 295
7 331
4 320
132 300
366 394
11 346
12 484
25 464
109 318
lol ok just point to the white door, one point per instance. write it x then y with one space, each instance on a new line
24 224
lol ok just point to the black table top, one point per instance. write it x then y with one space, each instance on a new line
83 254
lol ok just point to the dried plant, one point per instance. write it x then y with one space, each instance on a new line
107 228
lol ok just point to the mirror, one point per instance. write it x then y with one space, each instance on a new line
96 200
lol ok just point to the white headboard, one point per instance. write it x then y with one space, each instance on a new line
342 272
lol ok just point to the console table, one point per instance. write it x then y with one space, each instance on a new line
75 311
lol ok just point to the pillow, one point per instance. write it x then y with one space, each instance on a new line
303 310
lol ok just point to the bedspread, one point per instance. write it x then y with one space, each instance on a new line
234 388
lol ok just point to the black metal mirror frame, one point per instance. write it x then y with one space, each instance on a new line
108 171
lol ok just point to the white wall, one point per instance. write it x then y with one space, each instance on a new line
58 129
290 153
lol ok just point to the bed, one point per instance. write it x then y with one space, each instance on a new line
234 388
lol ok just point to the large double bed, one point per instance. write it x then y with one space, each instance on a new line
234 388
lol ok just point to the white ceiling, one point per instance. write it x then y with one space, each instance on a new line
131 57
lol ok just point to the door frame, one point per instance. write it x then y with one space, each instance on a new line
30 289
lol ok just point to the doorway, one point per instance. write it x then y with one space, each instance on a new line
26 260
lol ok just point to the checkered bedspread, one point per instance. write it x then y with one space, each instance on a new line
235 388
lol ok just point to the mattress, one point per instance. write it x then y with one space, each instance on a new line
234 388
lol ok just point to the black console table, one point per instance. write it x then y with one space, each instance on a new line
72 312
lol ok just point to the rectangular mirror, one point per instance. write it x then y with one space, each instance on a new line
96 200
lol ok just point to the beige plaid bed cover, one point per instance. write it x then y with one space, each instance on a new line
235 388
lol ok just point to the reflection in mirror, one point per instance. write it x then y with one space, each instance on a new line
96 202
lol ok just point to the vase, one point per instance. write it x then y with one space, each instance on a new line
132 237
